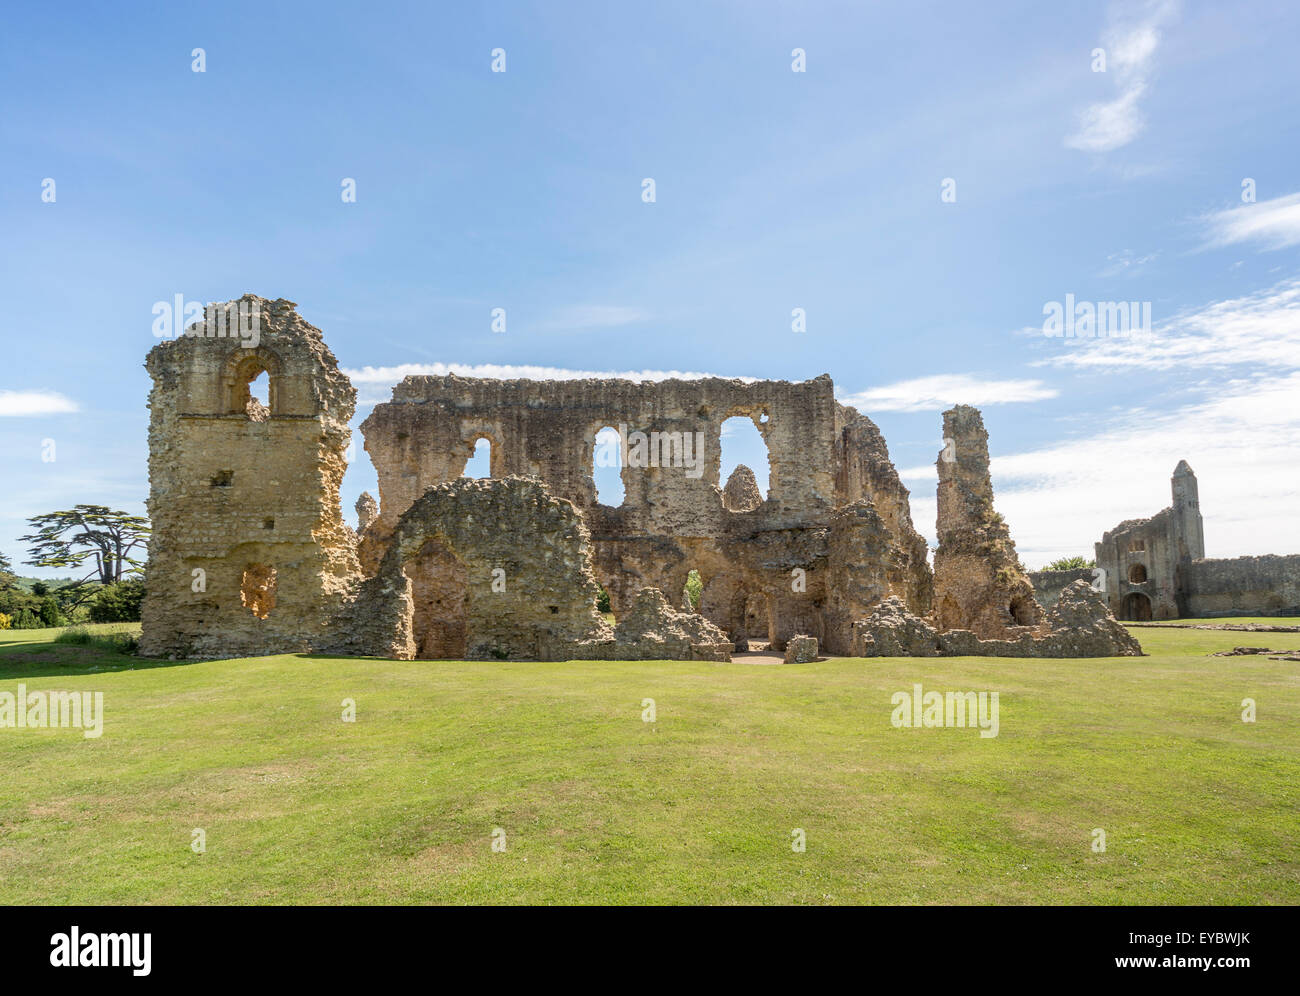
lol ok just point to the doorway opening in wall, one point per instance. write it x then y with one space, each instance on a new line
754 623
439 586
744 465
479 466
607 467
1136 607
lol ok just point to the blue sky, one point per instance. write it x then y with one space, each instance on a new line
775 190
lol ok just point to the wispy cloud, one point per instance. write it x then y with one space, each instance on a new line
21 404
1257 330
1130 42
935 393
368 380
593 316
1273 224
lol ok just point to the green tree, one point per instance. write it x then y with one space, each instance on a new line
110 540
1070 564
118 602
49 613
7 577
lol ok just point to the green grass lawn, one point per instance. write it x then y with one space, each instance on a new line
1224 620
598 806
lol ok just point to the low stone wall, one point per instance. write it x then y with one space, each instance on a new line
1244 586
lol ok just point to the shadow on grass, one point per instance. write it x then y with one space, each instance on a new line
43 659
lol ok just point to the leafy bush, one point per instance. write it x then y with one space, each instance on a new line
118 602
6 621
1070 564
114 641
694 588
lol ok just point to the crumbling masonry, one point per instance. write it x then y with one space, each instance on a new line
250 554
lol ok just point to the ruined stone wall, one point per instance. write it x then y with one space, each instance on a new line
1141 548
481 570
1049 584
979 584
1246 586
673 519
249 553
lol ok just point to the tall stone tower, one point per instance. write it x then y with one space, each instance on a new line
249 553
1189 530
979 584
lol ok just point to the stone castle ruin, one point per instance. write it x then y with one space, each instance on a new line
250 554
1156 568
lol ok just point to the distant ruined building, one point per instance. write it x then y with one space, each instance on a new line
1156 568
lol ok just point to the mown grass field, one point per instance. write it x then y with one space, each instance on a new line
598 806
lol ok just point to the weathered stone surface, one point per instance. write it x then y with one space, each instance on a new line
652 629
1079 626
480 570
892 631
1082 626
768 572
367 511
741 493
801 649
979 584
249 553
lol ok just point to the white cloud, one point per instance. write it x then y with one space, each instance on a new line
367 379
1274 224
1259 330
1058 500
1130 41
935 393
27 403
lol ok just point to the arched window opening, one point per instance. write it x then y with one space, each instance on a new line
607 467
253 389
1137 574
744 465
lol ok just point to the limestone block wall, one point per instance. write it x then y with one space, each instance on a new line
1251 586
249 552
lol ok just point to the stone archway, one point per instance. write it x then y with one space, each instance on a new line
1136 607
